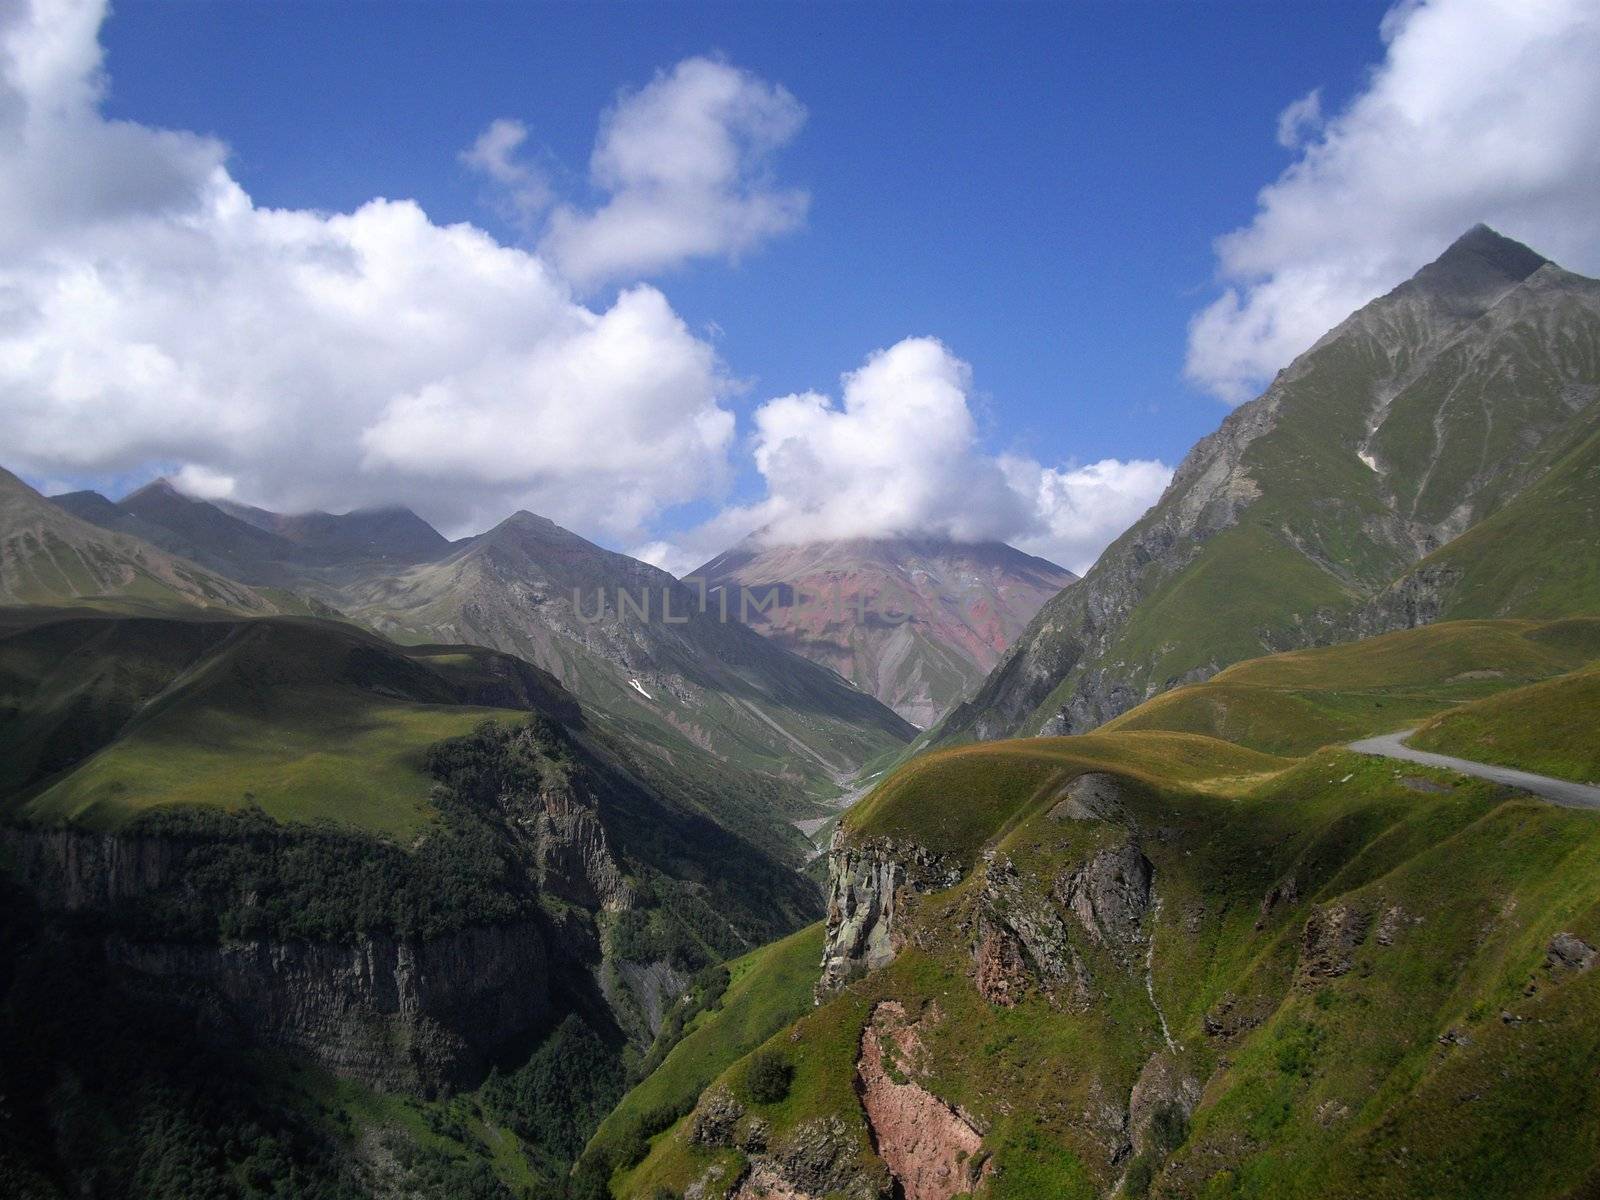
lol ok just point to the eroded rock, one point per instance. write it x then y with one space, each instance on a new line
1022 940
1327 947
716 1119
866 890
1110 895
1285 893
1095 796
933 1151
1568 953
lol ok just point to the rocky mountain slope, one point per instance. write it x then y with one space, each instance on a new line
1376 484
635 642
712 699
1154 963
49 556
915 622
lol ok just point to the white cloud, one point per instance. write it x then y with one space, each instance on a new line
195 480
1482 110
1302 117
898 455
1079 511
685 162
152 313
523 191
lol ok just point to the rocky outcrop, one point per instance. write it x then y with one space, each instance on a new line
1093 796
867 885
933 1151
561 837
1161 1103
716 1119
74 871
1022 943
817 1159
402 1014
1327 946
1110 895
1569 955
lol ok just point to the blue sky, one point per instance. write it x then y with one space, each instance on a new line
1041 188
1038 185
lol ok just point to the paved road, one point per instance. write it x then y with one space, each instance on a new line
1557 791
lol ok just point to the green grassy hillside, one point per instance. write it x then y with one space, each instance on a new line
1296 702
766 990
108 717
1350 958
1552 728
995 782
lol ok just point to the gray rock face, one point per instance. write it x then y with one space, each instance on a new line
1569 954
400 1014
865 890
74 871
715 1119
1164 1089
1022 942
1091 797
820 1158
1110 895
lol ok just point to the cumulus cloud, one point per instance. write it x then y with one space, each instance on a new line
152 313
1481 110
686 165
899 455
1078 511
522 192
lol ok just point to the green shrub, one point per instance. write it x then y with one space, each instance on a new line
768 1077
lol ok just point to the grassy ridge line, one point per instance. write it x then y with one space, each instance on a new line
1551 728
769 988
1295 703
990 783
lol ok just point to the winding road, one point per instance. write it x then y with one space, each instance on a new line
1557 791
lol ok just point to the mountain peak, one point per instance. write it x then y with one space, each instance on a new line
160 486
1479 264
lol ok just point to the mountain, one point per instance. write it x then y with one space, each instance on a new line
916 622
49 556
633 641
1149 962
257 546
1431 456
393 533
714 700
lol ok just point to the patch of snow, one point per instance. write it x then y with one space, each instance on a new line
1368 459
639 687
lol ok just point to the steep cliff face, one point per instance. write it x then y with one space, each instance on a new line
868 883
405 1014
1422 416
412 1013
